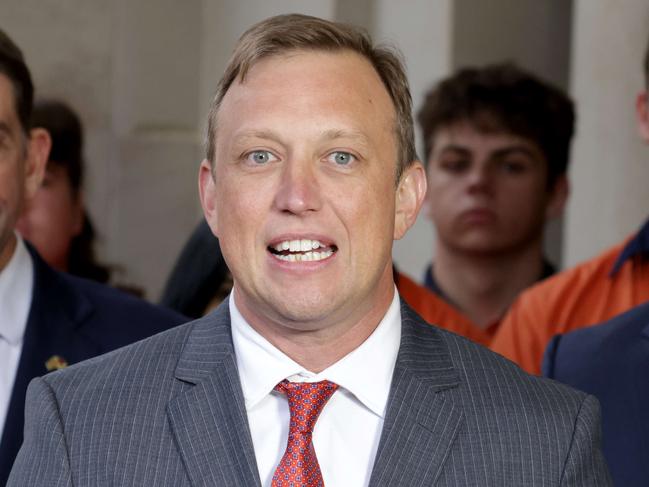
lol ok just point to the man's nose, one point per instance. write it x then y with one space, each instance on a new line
299 190
480 180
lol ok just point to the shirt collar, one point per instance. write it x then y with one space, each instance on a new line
16 281
366 372
431 283
638 246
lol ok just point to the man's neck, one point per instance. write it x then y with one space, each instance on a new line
7 251
484 286
319 347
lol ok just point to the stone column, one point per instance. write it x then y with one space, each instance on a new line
610 164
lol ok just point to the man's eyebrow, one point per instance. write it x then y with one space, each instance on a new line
513 149
344 134
502 152
454 148
355 136
327 135
256 134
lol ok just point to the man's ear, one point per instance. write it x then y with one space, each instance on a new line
38 150
642 114
207 192
558 198
409 198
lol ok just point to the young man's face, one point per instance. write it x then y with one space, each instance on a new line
487 191
303 199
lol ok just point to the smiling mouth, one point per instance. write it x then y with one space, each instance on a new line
304 250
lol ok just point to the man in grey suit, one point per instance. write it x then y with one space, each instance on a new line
312 372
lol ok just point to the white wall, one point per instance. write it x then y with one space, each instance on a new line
610 168
422 30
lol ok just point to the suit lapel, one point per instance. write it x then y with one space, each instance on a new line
422 419
209 420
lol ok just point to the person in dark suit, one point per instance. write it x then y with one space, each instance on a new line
312 372
47 319
611 362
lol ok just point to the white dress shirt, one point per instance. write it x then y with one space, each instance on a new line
16 285
347 433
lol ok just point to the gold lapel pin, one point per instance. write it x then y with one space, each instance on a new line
55 362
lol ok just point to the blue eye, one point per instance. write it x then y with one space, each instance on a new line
260 156
342 158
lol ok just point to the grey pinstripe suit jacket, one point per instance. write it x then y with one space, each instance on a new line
169 411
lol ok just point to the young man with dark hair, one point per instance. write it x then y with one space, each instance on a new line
497 142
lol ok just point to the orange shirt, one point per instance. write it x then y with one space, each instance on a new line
435 310
584 295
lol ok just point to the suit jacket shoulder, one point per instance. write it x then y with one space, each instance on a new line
167 410
460 414
611 362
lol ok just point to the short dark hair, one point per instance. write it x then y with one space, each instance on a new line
12 65
64 126
293 32
503 97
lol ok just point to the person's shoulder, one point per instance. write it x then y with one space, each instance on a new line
485 374
115 303
151 360
434 309
575 279
604 347
485 369
623 327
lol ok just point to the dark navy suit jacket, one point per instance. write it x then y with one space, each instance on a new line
611 361
74 319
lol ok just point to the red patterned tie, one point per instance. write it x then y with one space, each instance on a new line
299 465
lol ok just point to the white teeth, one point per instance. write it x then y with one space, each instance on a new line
304 245
306 257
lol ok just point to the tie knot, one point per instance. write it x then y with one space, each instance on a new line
305 402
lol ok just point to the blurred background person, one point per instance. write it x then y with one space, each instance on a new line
496 144
56 221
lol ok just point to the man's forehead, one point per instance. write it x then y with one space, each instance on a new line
315 61
348 79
